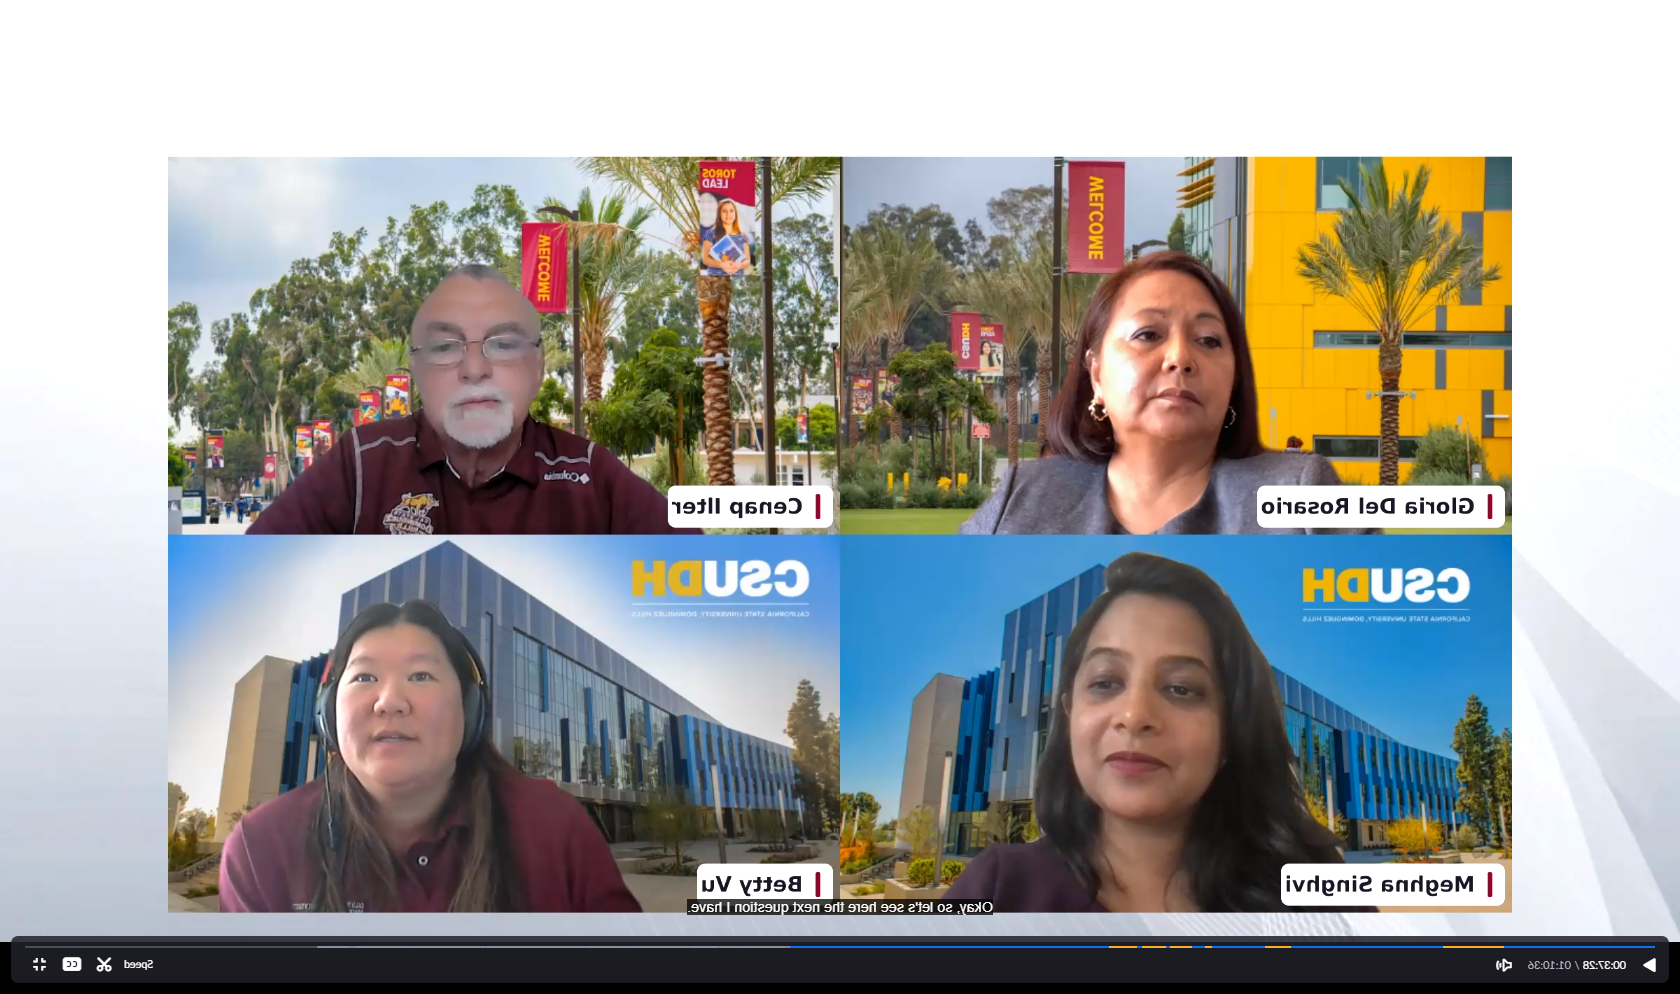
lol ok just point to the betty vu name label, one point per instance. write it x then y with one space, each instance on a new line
1380 507
747 881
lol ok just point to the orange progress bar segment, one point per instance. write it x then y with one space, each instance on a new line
1280 947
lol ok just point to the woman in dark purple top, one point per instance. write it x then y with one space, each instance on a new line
417 810
1167 782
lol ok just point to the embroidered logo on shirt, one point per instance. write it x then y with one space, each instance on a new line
568 476
412 515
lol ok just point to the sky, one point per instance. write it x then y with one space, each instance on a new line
1409 680
961 186
233 600
236 225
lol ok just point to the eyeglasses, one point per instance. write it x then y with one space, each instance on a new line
496 348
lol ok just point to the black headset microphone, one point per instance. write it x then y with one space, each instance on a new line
474 712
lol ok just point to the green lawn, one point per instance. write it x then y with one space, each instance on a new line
905 521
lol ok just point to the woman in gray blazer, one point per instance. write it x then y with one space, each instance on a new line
1156 430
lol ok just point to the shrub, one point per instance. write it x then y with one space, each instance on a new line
1504 483
1408 836
923 494
950 870
1436 478
870 889
895 458
920 873
1465 839
854 497
1445 448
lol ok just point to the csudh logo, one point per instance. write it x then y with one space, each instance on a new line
718 578
1418 585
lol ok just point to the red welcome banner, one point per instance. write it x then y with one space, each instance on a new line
323 436
1096 216
991 350
396 395
730 180
306 445
965 339
271 466
367 407
542 265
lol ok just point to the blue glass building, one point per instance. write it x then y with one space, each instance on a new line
1005 712
564 705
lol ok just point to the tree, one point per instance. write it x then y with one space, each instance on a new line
1000 824
610 265
919 829
1023 216
1445 453
1474 743
178 471
807 731
662 298
1178 235
197 822
655 395
671 186
551 401
376 359
184 335
670 822
1392 260
242 460
1409 836
807 302
894 274
1502 786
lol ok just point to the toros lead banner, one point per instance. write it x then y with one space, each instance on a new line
1096 216
542 265
965 339
730 180
991 350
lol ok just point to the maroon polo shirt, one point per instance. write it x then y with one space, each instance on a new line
268 861
392 477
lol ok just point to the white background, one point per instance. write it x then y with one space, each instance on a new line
98 99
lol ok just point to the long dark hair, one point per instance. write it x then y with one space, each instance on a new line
1075 433
1254 817
353 861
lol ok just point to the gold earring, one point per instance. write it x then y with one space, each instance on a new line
1099 410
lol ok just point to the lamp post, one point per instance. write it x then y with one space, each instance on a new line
572 305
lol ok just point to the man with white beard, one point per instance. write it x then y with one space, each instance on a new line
472 460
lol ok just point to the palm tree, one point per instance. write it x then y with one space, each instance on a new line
895 274
379 358
671 185
610 266
1392 260
861 331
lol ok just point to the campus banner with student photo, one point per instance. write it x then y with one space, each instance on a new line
213 445
367 407
305 440
396 395
1328 361
726 234
1390 661
629 671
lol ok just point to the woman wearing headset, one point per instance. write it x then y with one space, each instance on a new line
417 810
1167 782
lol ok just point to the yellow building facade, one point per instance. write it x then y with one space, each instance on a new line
1315 358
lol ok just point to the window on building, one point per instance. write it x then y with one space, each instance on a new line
1006 753
1359 448
1332 169
1011 686
790 475
1413 340
1496 194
